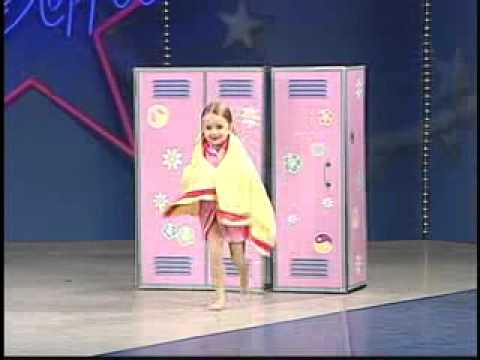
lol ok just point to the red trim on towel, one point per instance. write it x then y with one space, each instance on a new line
191 194
260 244
198 193
232 216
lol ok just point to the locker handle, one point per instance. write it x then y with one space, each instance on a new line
327 183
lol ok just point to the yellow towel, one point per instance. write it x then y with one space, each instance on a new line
237 188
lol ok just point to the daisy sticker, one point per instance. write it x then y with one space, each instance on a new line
172 159
160 201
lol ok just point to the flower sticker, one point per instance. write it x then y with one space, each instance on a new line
328 202
185 236
293 163
326 117
170 231
293 219
160 201
158 116
249 116
172 159
359 88
359 264
318 149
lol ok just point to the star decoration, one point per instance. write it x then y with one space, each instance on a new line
78 114
240 27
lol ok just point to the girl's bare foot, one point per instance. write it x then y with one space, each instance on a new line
217 305
221 301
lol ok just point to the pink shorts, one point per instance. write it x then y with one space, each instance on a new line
207 216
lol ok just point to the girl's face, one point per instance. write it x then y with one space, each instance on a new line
215 128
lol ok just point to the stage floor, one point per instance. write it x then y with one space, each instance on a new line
78 298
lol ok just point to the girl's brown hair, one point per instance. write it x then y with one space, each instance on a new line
218 108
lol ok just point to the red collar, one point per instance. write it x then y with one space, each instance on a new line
211 150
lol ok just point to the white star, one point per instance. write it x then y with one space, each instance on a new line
240 26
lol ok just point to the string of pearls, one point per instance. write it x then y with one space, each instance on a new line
427 116
166 34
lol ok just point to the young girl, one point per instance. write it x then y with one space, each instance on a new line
222 187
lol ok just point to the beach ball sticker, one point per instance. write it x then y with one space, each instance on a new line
158 116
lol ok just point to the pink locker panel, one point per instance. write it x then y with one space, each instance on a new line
243 91
170 252
308 171
357 213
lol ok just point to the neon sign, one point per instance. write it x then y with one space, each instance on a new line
54 13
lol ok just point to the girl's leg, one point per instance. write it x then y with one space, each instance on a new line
215 242
237 250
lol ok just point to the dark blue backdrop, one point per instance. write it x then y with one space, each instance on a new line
454 138
63 182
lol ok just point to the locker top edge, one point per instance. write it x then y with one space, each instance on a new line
198 68
317 68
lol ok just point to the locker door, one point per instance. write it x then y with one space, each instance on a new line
243 91
171 252
307 179
357 212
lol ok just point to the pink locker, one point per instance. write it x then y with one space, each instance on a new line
318 178
171 253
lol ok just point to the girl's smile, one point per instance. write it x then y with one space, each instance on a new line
215 128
